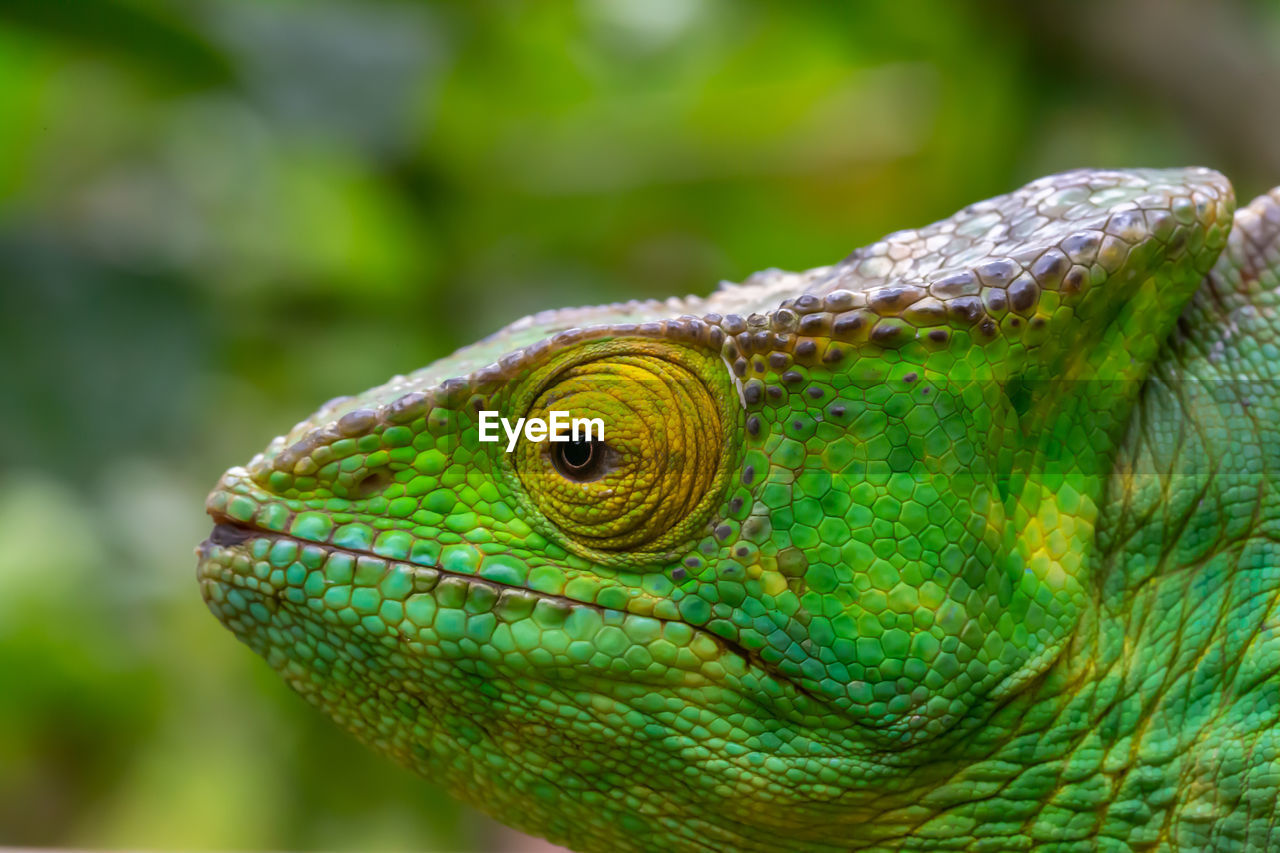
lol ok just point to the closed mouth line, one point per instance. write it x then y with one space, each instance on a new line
228 532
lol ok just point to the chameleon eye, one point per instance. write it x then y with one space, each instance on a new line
660 456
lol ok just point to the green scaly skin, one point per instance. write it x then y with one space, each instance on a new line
967 542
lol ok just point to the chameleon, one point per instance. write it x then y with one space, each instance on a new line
965 542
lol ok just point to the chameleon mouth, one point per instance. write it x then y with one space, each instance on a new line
227 557
229 533
231 536
233 558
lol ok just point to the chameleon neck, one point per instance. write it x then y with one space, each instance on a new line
1142 733
1157 725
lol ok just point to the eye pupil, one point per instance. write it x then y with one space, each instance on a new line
581 461
578 454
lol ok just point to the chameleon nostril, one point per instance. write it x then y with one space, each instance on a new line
228 534
370 484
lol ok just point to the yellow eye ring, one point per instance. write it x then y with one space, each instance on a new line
660 461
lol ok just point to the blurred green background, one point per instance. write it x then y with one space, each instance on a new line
216 215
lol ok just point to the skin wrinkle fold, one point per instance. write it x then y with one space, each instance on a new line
880 562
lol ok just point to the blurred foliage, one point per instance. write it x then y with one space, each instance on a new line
215 215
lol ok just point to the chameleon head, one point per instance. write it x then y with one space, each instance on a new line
835 520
